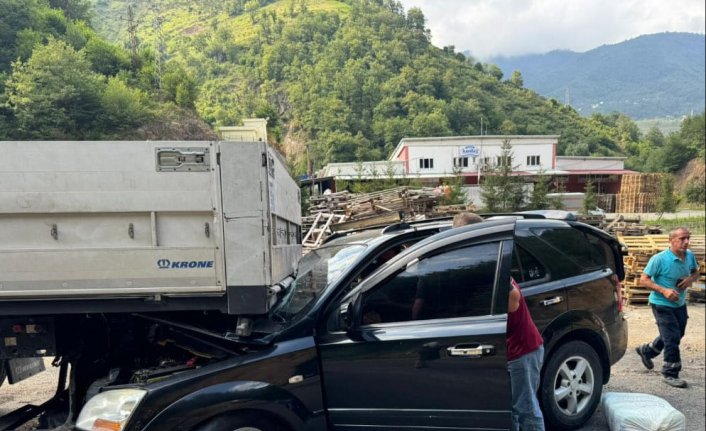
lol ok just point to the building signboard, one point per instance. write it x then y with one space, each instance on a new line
470 150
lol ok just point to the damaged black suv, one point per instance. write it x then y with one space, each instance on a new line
404 328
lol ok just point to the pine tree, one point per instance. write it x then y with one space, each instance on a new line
590 199
500 190
538 198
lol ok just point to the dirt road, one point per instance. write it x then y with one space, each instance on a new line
628 375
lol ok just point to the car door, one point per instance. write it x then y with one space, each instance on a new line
539 271
428 351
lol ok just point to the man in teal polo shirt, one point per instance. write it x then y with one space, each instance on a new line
668 274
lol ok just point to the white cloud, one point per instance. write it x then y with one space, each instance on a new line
514 27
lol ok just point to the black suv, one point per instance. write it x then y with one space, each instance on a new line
363 340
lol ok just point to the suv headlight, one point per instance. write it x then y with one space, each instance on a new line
109 410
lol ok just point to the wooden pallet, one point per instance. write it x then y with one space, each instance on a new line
320 229
695 295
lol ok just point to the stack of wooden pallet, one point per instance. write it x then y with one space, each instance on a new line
594 220
403 199
697 291
634 229
332 203
607 202
344 210
640 249
638 193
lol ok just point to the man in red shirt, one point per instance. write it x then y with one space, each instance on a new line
525 354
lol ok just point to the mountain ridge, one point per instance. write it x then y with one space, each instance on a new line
650 76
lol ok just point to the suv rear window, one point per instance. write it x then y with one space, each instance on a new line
585 252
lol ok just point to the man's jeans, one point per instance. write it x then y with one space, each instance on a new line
671 323
524 381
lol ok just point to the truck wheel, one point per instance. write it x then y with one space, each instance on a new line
571 386
242 422
3 372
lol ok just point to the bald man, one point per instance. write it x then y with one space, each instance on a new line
668 274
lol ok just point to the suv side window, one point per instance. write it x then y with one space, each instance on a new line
454 283
573 244
525 267
604 251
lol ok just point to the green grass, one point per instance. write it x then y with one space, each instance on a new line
665 125
697 225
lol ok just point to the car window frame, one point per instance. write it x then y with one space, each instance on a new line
501 230
529 283
582 264
445 250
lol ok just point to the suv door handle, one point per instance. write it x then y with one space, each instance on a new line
471 350
552 301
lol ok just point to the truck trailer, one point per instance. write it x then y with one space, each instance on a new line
107 245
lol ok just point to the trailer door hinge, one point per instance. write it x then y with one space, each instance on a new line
182 159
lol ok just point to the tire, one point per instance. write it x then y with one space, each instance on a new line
3 372
571 386
242 422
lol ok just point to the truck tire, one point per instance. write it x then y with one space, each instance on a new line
571 386
242 422
3 372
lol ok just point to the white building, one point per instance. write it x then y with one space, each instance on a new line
431 160
468 155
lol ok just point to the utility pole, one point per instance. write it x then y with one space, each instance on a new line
132 36
161 44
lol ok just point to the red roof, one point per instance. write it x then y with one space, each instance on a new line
564 172
600 171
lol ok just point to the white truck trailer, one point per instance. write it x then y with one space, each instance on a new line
203 234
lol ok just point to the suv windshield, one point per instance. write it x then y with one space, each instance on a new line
318 269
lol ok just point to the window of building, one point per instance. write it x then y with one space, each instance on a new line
460 162
532 160
503 161
426 163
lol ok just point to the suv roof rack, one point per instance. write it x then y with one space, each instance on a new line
536 214
508 215
386 228
408 224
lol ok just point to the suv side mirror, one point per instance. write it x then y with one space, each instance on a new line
348 312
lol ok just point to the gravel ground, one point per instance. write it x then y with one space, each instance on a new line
628 375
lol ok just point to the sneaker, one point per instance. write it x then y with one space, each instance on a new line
647 362
675 382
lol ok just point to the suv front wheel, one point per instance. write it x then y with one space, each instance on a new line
571 385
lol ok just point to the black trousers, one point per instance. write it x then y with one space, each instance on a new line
671 323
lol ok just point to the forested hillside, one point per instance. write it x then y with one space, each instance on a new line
338 80
651 76
60 80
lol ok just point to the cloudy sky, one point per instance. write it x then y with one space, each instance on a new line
489 28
